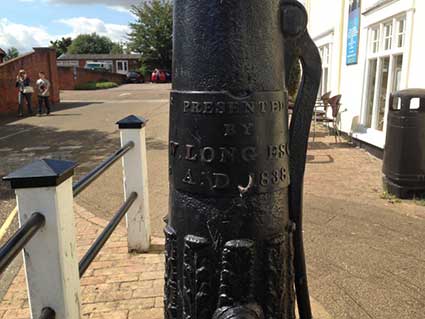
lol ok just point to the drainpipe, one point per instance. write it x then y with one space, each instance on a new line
341 39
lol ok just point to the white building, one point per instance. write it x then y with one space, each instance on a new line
390 56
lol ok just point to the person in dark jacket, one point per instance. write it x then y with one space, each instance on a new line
43 86
23 83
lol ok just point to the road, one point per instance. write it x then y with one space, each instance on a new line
365 253
82 129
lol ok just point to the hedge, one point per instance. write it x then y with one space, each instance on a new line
96 86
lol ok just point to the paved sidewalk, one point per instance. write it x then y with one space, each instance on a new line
117 285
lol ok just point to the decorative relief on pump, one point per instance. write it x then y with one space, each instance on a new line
170 287
197 277
237 273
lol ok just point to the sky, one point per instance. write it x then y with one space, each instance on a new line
25 24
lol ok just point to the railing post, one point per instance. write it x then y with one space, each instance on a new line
51 264
135 173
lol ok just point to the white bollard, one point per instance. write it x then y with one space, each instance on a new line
135 175
50 257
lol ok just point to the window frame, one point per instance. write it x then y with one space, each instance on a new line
325 51
392 53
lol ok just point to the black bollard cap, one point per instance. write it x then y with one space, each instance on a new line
132 122
41 173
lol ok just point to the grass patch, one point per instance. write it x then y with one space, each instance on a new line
419 199
390 198
96 86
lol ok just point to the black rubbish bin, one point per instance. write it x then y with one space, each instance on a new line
404 155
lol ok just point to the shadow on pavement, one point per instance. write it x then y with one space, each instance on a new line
320 159
10 118
87 147
328 146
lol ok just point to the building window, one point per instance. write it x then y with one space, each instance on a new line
384 69
388 35
325 54
375 40
68 63
401 27
122 67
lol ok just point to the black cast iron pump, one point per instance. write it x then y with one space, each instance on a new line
233 236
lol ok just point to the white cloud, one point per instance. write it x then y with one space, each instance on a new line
120 3
21 36
25 37
82 25
119 9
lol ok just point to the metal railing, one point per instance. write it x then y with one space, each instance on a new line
18 241
84 182
104 236
55 251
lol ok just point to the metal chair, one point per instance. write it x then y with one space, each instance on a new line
322 102
335 104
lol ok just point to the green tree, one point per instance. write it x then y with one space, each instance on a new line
11 53
151 34
61 45
117 48
91 44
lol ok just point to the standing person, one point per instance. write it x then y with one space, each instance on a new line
23 83
43 86
157 74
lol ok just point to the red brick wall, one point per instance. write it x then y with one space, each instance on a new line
42 59
69 77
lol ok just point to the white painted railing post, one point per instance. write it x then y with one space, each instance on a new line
135 174
50 257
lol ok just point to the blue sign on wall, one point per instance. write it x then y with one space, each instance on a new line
353 32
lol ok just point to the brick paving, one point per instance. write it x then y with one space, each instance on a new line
118 285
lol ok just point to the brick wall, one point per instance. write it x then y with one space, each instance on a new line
69 77
42 59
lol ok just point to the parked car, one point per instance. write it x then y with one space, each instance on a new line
134 77
161 76
98 66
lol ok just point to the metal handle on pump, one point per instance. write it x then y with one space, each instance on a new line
300 47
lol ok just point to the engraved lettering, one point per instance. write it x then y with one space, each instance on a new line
209 108
207 154
173 148
222 181
248 129
233 107
282 174
282 149
188 179
249 107
206 178
221 107
277 106
262 106
229 130
196 107
186 107
272 152
249 154
189 153
264 180
228 155
276 151
275 177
